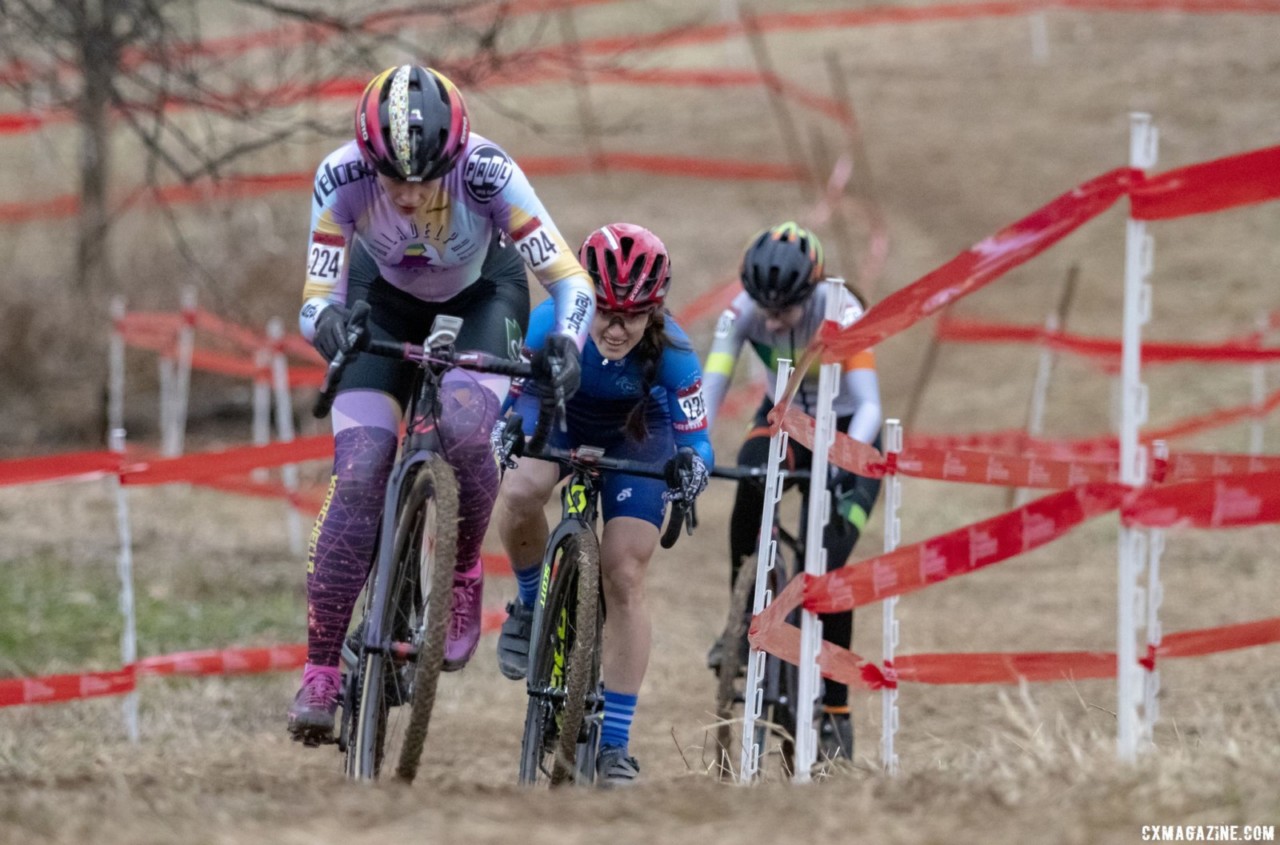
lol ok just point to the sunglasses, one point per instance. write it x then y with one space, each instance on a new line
627 318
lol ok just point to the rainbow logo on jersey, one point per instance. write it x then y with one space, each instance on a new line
419 255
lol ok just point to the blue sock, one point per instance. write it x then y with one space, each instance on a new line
528 579
619 710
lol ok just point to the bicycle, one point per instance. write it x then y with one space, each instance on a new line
780 679
391 662
566 695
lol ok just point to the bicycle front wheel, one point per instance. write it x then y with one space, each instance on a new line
729 674
396 680
559 743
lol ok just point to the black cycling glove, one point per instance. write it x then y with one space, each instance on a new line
566 376
686 475
331 331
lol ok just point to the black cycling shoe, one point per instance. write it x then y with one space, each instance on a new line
715 654
835 737
615 769
513 642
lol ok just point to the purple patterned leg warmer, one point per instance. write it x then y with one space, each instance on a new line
344 536
468 413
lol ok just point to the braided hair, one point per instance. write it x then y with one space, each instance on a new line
649 351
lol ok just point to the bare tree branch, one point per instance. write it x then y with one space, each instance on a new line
141 74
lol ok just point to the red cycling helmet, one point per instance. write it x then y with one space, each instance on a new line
411 123
629 266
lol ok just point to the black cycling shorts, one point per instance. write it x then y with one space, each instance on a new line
494 312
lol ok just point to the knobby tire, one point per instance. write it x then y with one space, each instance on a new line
438 610
579 672
434 489
565 592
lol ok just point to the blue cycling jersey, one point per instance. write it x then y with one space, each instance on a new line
610 389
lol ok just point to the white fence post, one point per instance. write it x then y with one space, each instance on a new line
124 561
1258 427
180 378
815 556
1155 597
261 428
1039 37
1133 458
284 426
115 370
766 561
1040 393
165 368
124 568
892 536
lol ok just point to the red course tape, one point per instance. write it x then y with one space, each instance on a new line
50 689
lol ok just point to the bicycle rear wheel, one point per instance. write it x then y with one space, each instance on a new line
559 742
396 682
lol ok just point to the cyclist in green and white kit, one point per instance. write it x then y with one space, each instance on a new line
779 313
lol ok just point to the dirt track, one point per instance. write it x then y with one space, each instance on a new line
965 134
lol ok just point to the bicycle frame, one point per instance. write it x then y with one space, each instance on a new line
417 447
405 614
566 681
579 504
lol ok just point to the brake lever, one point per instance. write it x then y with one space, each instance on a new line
561 413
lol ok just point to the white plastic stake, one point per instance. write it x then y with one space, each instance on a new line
815 557
261 404
892 537
735 49
1155 632
1258 427
766 560
1040 393
124 569
1039 37
1044 372
1133 413
165 366
284 426
180 391
115 369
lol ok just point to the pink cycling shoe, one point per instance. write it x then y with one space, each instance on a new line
464 622
311 715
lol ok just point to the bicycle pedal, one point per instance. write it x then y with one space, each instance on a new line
312 740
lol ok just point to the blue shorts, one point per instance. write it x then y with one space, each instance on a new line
620 494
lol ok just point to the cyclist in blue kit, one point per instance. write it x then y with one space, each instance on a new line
419 216
640 399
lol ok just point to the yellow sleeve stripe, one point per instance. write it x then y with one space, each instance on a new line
720 363
310 289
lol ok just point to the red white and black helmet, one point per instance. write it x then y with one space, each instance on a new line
411 123
629 266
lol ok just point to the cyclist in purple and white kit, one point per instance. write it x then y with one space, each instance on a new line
419 217
640 399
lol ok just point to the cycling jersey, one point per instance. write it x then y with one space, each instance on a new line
610 389
744 321
437 252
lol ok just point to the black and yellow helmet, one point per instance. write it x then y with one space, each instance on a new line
782 265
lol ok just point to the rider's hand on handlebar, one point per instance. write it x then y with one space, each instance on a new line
331 331
686 476
557 365
849 501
